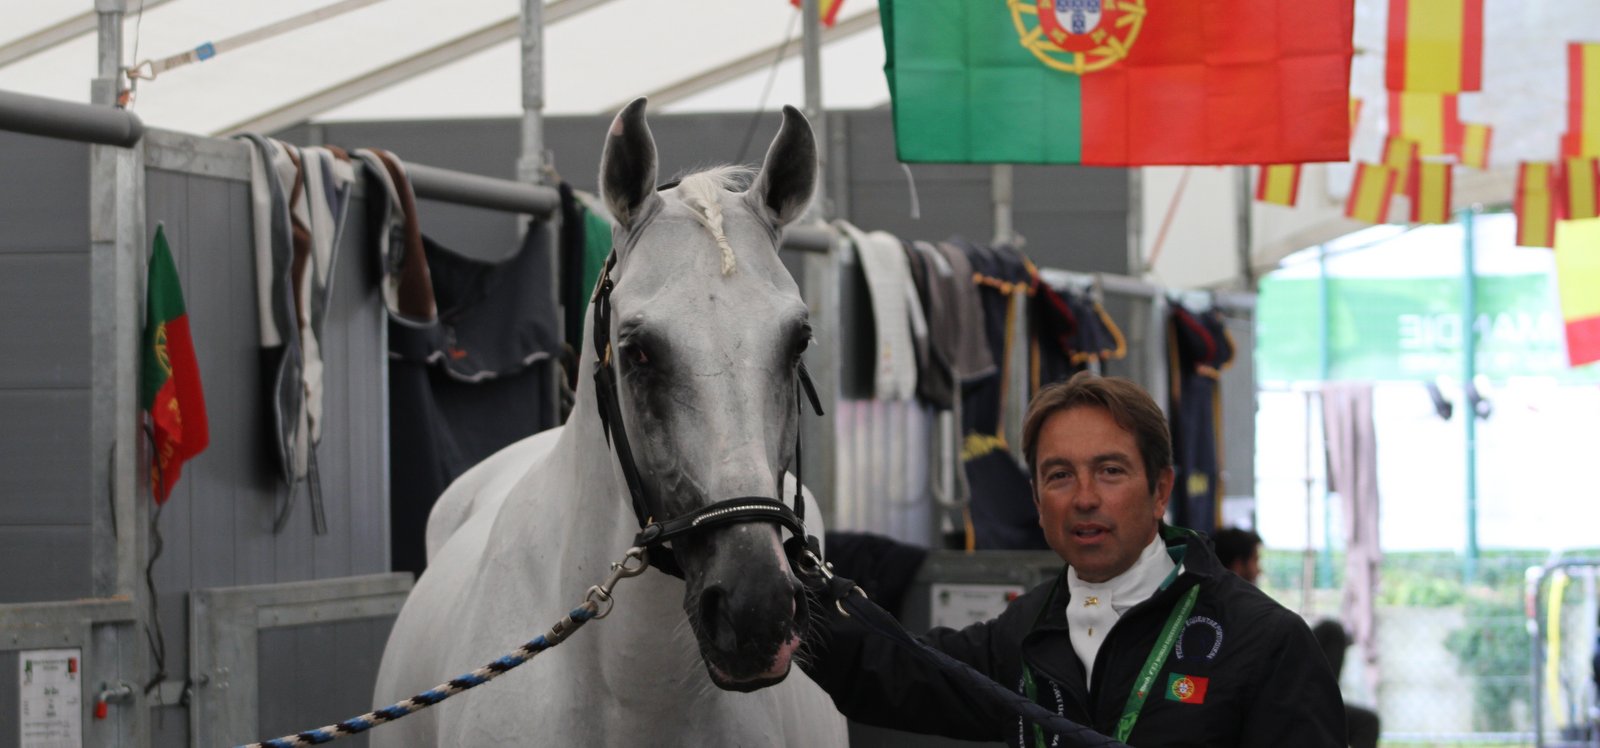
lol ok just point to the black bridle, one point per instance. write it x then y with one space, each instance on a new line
654 531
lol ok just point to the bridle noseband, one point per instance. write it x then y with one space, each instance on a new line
654 532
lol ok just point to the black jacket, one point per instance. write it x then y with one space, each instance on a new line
1266 683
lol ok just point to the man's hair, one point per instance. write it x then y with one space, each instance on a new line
1235 544
1128 404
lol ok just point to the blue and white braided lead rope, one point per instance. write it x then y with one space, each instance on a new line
580 615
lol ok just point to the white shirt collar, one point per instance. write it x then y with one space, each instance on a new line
1095 607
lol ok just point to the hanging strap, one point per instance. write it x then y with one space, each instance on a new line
148 69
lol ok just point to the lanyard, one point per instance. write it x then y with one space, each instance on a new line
1147 675
1152 665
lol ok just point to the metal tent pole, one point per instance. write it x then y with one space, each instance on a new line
820 270
121 518
1469 372
530 167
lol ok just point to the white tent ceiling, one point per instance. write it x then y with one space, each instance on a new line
426 59
415 59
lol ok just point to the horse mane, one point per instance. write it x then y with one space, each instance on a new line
701 190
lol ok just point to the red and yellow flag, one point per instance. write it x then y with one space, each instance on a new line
1580 183
829 10
1370 194
1399 154
1430 192
1428 118
1278 184
1535 204
1578 283
169 382
1583 100
1475 141
1435 46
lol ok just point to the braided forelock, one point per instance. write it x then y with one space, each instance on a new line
702 193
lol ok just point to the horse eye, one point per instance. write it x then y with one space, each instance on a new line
635 354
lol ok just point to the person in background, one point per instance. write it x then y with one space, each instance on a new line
1143 635
1240 551
1362 722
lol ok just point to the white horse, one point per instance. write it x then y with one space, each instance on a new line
707 329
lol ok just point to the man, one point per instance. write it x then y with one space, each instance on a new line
1240 551
1361 722
1236 668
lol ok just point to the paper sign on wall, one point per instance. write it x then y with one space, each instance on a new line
958 605
50 686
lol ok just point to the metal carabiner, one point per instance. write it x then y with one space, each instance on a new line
600 594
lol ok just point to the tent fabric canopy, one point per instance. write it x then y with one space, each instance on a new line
460 60
417 59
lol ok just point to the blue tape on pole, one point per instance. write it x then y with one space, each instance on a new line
205 51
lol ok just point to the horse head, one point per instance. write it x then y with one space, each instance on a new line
707 328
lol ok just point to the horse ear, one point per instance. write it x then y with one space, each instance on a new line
790 172
628 165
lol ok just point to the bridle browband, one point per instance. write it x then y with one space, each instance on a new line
655 532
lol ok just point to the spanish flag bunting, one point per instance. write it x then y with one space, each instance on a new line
1578 284
829 10
1430 194
1369 196
1583 100
1428 118
1278 184
1581 181
1399 154
1535 204
1475 139
1435 46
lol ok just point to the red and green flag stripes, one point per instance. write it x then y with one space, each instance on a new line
1116 84
169 381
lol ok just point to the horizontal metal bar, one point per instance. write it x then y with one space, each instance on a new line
68 120
813 238
433 183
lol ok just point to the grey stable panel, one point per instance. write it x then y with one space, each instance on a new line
312 676
217 526
1073 217
44 194
44 461
44 563
44 317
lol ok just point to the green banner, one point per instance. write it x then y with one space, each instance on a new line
1411 328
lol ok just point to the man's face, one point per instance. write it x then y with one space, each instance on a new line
1095 505
1250 568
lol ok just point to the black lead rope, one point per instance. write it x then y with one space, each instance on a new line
854 603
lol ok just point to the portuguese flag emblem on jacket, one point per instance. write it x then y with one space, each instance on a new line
169 381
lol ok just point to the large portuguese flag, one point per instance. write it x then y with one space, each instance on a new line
1119 82
169 382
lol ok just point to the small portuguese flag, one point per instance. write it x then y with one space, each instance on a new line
169 382
1119 82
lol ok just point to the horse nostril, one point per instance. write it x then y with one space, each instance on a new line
797 606
714 621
